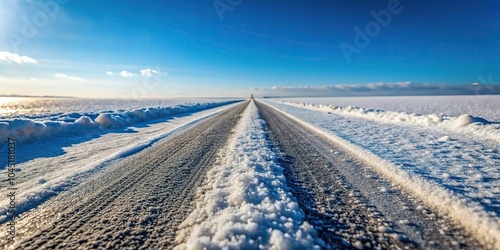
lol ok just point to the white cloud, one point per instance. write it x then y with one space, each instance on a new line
72 78
6 56
126 74
149 72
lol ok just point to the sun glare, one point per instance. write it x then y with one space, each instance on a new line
5 103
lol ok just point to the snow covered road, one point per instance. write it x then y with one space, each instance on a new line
250 177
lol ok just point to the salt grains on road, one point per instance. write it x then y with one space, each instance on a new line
245 202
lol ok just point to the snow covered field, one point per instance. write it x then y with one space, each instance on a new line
485 106
69 109
30 119
457 155
464 123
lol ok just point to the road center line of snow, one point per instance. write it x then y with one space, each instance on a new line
472 217
244 202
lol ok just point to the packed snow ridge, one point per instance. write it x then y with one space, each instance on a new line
245 203
465 123
26 130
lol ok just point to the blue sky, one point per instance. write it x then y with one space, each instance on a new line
171 48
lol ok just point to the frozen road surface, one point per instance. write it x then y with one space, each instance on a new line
251 176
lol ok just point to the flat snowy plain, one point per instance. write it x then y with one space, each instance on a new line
442 151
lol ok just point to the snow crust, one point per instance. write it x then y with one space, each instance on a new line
467 124
438 191
27 130
245 203
485 106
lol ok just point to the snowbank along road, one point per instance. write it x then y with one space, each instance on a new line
250 177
